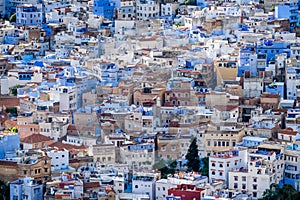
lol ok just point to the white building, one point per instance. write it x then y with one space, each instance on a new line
292 82
146 9
253 87
130 196
29 15
169 9
59 159
16 77
6 30
144 183
264 168
138 155
221 163
119 184
66 96
126 10
56 15
228 113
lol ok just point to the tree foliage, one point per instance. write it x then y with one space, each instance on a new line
287 192
4 190
192 156
14 90
190 2
13 129
204 166
13 18
13 111
166 168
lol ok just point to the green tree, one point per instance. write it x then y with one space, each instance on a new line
166 168
14 90
4 190
192 156
13 129
190 2
287 192
13 18
205 166
13 111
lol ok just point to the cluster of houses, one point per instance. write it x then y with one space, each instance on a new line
95 93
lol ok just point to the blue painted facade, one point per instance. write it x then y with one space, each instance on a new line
287 10
9 143
110 74
250 141
141 147
245 53
275 88
173 198
270 48
26 188
292 169
104 8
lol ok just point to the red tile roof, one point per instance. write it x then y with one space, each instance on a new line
35 138
91 185
72 127
8 163
288 131
226 107
69 147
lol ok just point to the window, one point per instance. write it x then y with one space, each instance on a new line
213 172
244 186
213 164
173 148
244 178
235 186
254 187
254 180
236 178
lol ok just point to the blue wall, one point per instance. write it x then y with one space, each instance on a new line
275 88
9 143
104 8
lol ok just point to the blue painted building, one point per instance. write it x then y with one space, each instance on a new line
110 74
287 10
251 141
105 8
9 143
26 188
245 52
275 88
271 47
292 165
